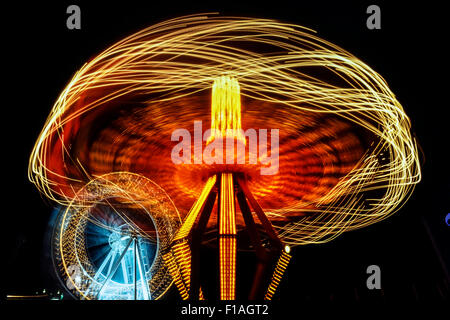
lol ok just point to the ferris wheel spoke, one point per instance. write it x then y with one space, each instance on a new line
114 267
144 280
124 271
113 252
109 258
135 268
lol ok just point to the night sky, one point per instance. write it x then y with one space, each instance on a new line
411 247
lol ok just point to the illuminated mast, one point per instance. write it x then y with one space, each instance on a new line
183 259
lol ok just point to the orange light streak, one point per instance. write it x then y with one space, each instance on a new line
317 180
176 275
227 242
181 252
186 228
280 268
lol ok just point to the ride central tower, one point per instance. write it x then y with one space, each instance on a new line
228 187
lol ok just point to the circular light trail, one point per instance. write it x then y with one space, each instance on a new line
109 240
347 156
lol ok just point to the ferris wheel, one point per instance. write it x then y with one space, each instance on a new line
108 243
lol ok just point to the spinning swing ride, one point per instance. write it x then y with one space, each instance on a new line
134 221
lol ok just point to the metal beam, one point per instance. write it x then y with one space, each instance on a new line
114 268
260 213
145 289
196 243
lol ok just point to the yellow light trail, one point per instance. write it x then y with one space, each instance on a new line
179 256
227 238
186 228
176 275
280 268
181 57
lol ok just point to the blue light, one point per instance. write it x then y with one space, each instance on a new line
447 219
123 262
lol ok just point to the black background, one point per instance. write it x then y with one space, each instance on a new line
411 247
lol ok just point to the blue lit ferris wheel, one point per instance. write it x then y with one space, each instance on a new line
108 242
123 260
